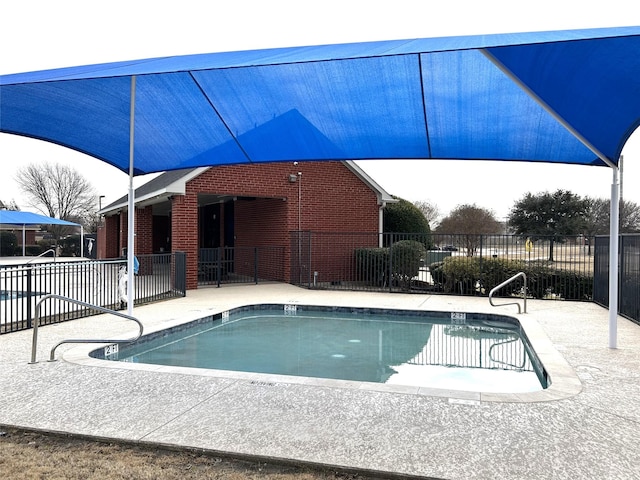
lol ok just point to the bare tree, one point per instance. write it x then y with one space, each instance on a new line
598 212
12 205
429 210
470 223
58 191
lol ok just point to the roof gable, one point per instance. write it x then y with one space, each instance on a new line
174 182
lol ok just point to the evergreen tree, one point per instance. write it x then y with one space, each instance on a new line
551 215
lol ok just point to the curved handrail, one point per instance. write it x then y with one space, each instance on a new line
97 308
52 250
504 342
506 282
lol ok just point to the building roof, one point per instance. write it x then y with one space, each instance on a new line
174 182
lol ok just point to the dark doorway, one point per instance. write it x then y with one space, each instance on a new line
161 234
229 224
209 226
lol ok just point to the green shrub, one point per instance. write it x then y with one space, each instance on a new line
406 259
372 265
470 276
70 246
497 270
460 274
33 250
8 244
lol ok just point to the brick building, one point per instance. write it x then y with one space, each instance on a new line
242 207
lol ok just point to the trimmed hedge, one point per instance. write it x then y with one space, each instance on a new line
477 276
403 260
372 265
8 244
406 258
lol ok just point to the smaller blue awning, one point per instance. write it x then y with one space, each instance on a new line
11 217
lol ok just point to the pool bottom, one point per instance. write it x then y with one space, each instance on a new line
443 375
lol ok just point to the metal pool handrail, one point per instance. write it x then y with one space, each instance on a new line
505 342
36 318
52 250
506 282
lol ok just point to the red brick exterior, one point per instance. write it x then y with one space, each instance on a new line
269 205
184 236
109 235
144 238
144 230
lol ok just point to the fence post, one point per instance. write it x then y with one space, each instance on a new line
255 264
309 263
390 247
481 279
180 270
622 271
219 266
29 296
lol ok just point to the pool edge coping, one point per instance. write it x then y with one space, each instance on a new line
564 382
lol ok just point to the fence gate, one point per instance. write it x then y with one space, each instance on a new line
629 275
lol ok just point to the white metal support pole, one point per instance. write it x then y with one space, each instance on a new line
613 260
615 197
130 231
621 176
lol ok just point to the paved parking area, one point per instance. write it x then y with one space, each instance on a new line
585 426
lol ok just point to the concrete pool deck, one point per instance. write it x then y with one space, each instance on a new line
586 426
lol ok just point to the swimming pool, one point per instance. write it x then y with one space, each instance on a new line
457 351
13 294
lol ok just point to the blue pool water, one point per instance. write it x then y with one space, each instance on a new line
10 295
473 352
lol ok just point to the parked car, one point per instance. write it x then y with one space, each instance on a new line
450 248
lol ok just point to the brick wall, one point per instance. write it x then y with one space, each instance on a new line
332 197
144 239
184 233
110 233
326 197
261 222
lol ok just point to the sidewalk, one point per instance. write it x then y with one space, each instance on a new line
586 429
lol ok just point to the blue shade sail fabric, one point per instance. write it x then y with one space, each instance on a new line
11 217
565 97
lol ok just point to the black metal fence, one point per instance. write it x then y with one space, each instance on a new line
629 275
240 265
556 268
573 268
475 347
101 283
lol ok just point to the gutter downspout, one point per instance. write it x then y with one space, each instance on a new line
383 204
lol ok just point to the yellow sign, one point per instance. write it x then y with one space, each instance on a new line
528 245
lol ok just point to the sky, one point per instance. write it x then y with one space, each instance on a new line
40 34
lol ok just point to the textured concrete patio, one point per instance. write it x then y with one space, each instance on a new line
586 425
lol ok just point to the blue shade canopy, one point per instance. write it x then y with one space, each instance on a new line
564 97
11 217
